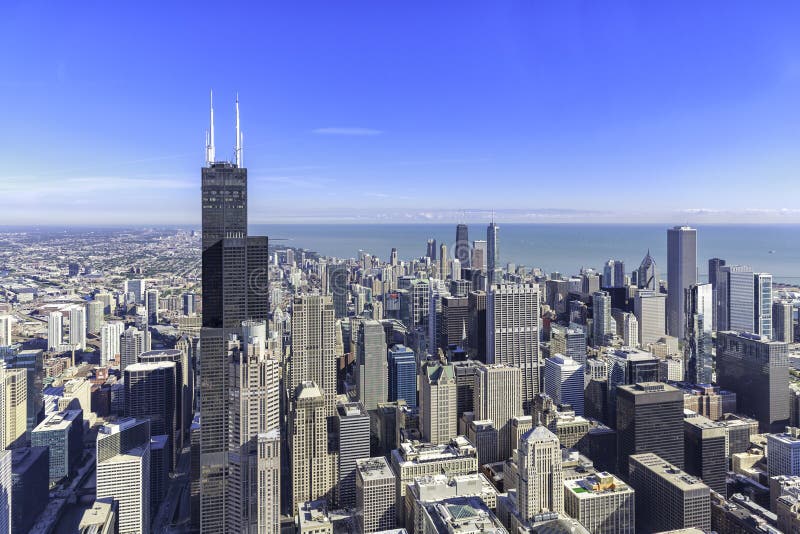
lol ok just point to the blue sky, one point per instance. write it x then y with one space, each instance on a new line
678 111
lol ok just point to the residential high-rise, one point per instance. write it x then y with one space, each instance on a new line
443 262
666 497
479 253
461 248
313 356
55 330
312 465
371 371
132 343
704 452
735 298
493 270
602 503
94 316
235 288
498 397
110 334
13 407
123 471
512 333
438 399
757 370
150 393
151 305
354 443
783 322
650 310
564 381
5 330
541 479
603 325
647 276
698 344
681 273
762 302
375 495
403 375
77 326
649 419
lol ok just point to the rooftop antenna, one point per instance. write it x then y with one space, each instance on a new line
238 149
210 155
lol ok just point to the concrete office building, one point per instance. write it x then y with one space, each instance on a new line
354 443
650 311
371 371
62 433
312 465
602 503
438 398
541 478
498 398
564 381
313 347
375 495
13 407
29 480
704 453
666 497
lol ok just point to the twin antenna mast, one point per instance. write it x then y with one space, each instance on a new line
211 155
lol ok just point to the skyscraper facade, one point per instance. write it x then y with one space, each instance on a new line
541 478
698 344
714 276
353 423
783 322
235 289
512 333
736 298
338 288
762 304
371 368
650 310
603 325
313 356
647 275
564 381
402 375
681 273
461 250
55 330
498 397
438 399
77 326
493 270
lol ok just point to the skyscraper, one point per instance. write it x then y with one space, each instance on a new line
77 326
649 419
313 355
498 397
431 250
714 275
563 381
512 333
438 399
151 303
762 303
493 270
375 495
150 393
650 310
403 375
783 322
697 345
705 454
603 325
110 334
461 249
647 276
757 370
94 316
353 423
541 479
312 464
371 368
13 407
5 330
736 297
681 273
123 471
132 343
235 289
55 330
338 288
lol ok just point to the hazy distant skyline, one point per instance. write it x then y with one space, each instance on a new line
678 112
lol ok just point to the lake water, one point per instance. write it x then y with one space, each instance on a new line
558 247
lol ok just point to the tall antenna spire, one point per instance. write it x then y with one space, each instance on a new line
210 153
238 149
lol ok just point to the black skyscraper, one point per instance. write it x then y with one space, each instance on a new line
461 251
235 289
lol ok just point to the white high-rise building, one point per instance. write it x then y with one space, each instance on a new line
498 397
563 381
137 287
269 481
783 453
5 330
438 398
630 330
313 347
603 325
55 330
541 478
650 309
110 334
123 471
512 332
375 495
13 406
313 468
132 343
77 326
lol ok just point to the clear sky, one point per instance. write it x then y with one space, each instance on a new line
679 111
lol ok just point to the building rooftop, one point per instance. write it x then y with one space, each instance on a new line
418 452
24 457
58 421
597 484
374 468
462 515
669 472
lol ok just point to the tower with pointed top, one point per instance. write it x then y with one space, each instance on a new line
235 289
647 275
541 478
